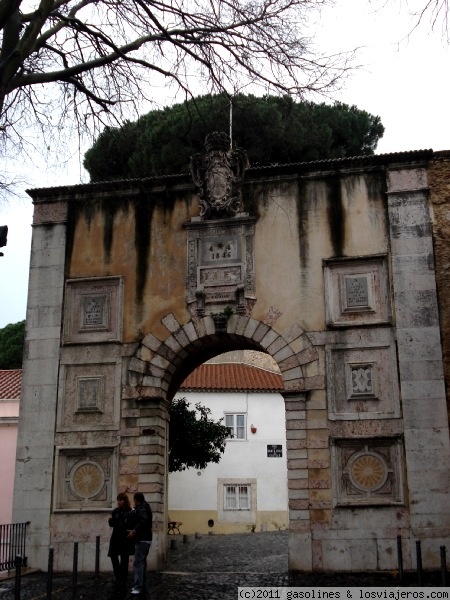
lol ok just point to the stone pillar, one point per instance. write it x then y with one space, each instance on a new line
35 443
420 361
152 448
300 543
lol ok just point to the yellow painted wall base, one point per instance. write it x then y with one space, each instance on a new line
207 521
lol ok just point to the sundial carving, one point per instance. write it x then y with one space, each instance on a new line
218 175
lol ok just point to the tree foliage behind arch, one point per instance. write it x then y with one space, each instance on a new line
12 338
272 129
195 440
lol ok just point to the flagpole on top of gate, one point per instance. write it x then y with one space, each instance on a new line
231 122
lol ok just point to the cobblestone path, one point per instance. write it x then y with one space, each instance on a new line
209 568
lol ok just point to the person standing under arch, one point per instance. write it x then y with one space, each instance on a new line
141 534
120 547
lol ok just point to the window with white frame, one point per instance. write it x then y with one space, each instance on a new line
237 497
236 500
236 424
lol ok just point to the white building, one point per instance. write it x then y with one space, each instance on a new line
247 490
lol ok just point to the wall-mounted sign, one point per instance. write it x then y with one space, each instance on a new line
274 450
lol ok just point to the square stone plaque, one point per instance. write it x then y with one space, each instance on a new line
357 291
84 478
89 397
362 382
368 471
89 394
93 310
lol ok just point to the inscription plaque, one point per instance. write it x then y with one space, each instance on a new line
220 269
356 291
274 450
221 250
220 276
221 294
94 310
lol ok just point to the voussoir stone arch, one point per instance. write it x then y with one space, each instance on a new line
159 366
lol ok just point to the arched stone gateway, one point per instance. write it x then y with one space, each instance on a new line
158 367
328 267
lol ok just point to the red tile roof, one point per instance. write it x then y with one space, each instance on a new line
236 377
10 384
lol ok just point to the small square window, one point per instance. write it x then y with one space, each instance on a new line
236 425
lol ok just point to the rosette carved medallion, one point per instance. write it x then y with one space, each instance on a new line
84 478
368 472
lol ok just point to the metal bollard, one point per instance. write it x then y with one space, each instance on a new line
419 564
400 558
443 567
50 573
173 544
75 570
185 539
97 556
17 582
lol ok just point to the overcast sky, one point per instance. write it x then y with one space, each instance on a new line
403 79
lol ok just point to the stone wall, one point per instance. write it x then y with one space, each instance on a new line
329 269
439 182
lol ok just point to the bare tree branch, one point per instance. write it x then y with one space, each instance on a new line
85 61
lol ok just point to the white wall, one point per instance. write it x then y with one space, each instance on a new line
197 490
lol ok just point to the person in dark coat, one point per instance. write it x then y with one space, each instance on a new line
141 534
120 547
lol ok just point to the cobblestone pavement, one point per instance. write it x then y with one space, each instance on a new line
211 567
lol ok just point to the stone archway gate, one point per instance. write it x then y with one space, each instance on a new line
328 267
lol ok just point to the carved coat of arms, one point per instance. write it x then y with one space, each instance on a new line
218 175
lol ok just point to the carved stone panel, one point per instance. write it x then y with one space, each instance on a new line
218 175
220 268
89 394
93 310
89 397
357 291
362 383
368 472
85 478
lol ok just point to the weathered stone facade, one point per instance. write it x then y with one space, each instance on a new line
439 182
328 267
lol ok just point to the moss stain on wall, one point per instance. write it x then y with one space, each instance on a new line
143 211
336 215
302 212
